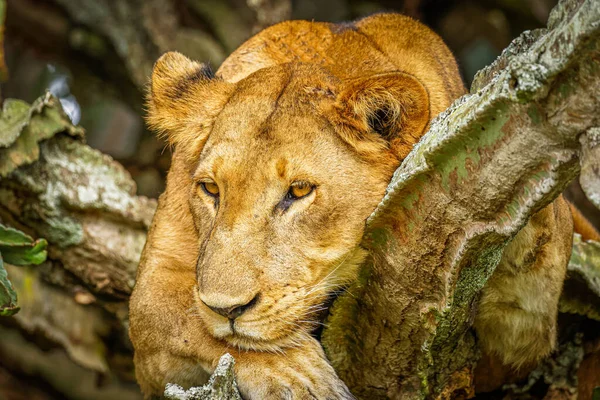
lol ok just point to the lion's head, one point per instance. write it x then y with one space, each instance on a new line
286 166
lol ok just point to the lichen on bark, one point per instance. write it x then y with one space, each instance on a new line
55 186
220 386
79 199
581 293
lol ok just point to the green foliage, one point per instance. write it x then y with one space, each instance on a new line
21 128
8 296
16 248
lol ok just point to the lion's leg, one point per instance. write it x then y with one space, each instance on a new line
154 371
516 319
171 343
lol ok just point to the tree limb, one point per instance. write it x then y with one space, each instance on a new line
81 200
220 386
54 186
581 293
488 163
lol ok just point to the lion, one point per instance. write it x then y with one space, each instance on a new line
278 161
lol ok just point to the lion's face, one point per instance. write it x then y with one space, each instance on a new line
281 203
286 166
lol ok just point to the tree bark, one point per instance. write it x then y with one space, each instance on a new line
488 163
54 186
134 33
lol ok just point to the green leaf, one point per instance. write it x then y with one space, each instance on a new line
596 393
17 248
33 254
8 296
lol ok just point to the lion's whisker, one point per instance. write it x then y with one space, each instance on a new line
335 269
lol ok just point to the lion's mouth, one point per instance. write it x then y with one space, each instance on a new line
243 339
283 323
274 334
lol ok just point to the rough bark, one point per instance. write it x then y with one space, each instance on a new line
54 186
269 12
581 293
560 372
220 386
80 200
590 167
137 32
489 162
140 31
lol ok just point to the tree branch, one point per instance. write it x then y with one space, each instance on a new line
77 198
54 186
220 386
488 163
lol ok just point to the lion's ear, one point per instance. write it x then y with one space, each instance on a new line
389 108
184 100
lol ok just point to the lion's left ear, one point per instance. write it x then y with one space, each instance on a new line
389 108
184 100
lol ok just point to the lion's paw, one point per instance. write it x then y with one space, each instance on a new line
300 373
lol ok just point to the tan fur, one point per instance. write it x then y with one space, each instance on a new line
516 319
337 106
582 226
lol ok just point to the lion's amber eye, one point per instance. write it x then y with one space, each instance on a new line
210 188
300 189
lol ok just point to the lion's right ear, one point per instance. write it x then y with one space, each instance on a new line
184 100
387 110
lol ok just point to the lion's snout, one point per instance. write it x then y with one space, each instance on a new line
231 308
228 292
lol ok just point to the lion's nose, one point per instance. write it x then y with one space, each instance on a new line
234 311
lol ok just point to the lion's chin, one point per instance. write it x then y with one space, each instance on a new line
252 339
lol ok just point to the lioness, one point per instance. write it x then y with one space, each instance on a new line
279 160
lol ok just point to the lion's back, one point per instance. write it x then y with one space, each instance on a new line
375 44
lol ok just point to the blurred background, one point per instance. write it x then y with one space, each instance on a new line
96 57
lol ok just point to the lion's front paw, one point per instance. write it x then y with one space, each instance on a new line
300 373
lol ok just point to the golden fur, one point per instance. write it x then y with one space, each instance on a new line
582 226
516 318
336 107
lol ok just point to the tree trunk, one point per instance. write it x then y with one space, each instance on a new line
492 160
83 203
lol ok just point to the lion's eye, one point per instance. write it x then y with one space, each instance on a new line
210 188
299 190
